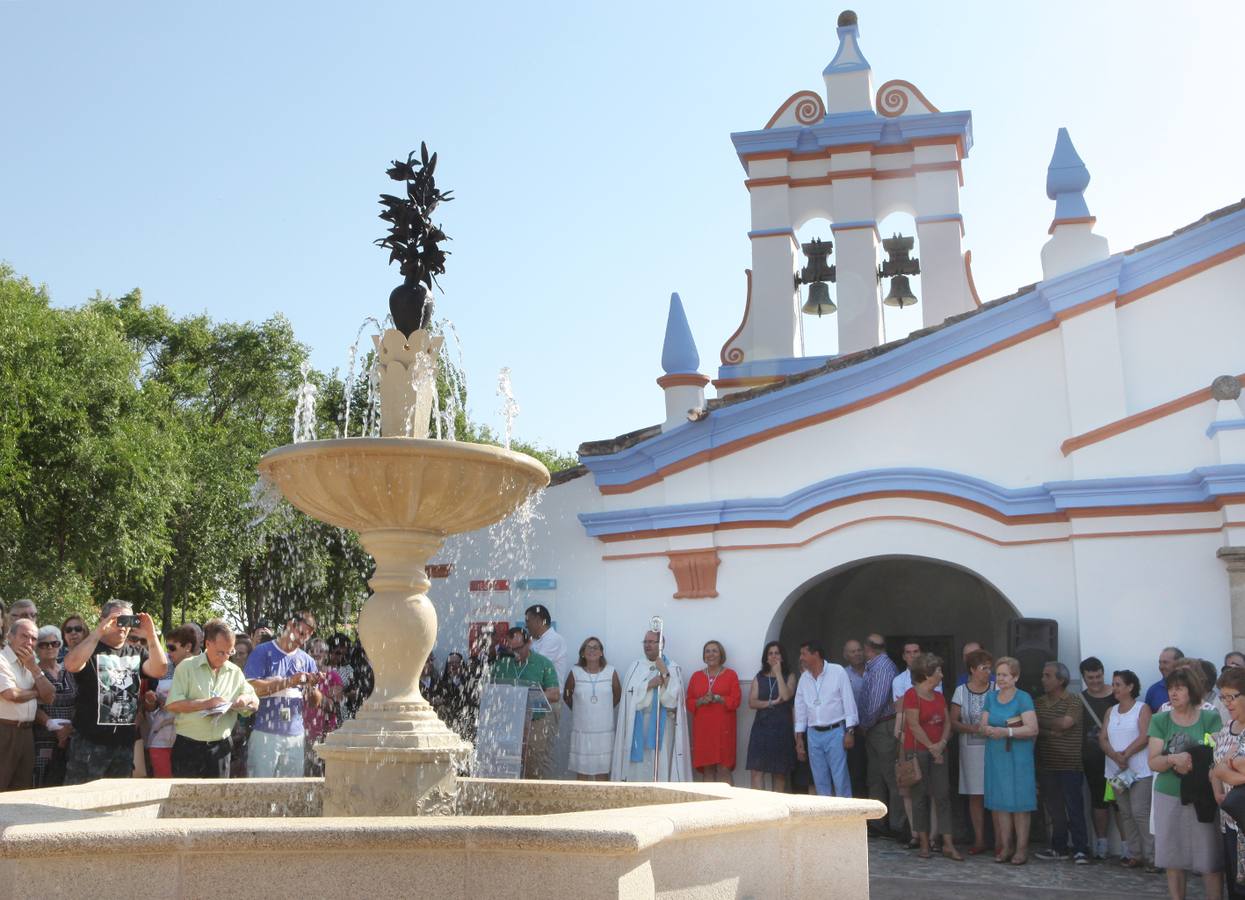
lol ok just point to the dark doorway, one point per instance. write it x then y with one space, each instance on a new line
936 603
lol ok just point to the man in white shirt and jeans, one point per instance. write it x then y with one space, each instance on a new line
825 709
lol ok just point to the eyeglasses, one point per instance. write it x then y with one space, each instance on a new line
74 629
48 644
135 639
1228 698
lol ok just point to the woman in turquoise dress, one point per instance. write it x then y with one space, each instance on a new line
1010 725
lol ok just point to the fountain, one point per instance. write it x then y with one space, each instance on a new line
390 818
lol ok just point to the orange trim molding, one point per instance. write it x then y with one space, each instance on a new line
760 437
919 520
875 149
695 573
951 165
968 273
1188 272
809 110
891 101
1136 420
1079 220
733 356
750 381
682 379
1064 315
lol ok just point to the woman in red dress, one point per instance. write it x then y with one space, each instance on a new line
713 697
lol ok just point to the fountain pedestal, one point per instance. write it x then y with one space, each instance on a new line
403 496
396 757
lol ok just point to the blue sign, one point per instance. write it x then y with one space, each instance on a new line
537 584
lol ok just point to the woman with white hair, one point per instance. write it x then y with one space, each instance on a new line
52 720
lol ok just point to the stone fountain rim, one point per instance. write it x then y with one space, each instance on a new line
27 830
426 448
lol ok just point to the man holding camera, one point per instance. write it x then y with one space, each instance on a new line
108 669
286 680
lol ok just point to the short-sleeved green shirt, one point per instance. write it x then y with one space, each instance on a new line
1179 738
537 670
193 679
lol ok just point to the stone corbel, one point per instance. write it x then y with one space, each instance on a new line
695 573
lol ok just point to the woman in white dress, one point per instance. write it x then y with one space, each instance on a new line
592 691
967 705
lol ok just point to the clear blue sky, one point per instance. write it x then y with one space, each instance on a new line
227 157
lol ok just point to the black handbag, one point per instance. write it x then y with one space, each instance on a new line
1234 804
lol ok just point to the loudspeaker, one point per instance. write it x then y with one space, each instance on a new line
1034 642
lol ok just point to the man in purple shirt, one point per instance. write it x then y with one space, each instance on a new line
877 711
285 678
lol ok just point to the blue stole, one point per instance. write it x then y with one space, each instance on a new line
648 734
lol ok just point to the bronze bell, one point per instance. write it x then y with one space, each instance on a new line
901 294
819 301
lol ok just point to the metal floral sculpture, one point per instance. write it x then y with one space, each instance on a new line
413 240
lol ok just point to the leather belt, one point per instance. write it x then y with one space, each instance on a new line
838 724
13 724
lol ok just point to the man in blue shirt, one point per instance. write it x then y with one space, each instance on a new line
1156 695
285 678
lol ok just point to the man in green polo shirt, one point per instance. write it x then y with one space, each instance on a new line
528 668
207 695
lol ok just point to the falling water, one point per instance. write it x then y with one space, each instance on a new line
265 499
509 408
305 407
349 385
450 364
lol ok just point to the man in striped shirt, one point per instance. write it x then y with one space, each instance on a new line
877 712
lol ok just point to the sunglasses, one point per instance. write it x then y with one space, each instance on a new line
74 629
48 644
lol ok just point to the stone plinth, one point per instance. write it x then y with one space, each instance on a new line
168 838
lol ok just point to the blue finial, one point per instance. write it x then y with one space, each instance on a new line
1066 180
848 58
678 353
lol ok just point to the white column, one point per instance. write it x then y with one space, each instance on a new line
860 309
943 285
1094 371
774 320
1234 559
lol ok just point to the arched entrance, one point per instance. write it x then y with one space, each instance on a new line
901 597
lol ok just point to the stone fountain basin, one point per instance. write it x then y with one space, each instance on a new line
368 484
264 838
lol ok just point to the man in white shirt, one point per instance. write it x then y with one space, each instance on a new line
825 709
903 681
547 642
22 687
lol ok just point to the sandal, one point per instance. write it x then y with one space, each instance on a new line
1131 863
924 854
952 854
975 850
1020 859
1003 856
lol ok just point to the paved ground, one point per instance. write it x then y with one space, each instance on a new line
897 874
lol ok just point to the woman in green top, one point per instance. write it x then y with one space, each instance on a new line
1181 842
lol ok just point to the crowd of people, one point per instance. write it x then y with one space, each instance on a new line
80 703
118 700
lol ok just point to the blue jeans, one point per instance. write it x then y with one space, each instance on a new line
275 755
1065 807
828 760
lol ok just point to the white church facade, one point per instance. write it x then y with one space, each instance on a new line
1064 466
